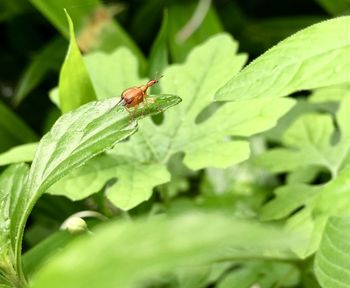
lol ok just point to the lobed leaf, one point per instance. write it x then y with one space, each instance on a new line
309 143
309 207
205 143
289 66
135 179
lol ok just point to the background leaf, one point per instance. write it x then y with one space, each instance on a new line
332 259
309 207
166 244
41 253
261 273
289 66
21 153
309 142
336 7
74 88
49 58
158 57
13 130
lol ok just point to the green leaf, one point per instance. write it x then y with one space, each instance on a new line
205 143
333 257
21 153
82 134
134 185
335 7
309 207
13 130
302 107
163 248
288 199
50 57
74 88
309 142
76 137
261 274
158 58
12 202
41 253
290 66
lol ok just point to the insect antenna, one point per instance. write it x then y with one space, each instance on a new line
121 102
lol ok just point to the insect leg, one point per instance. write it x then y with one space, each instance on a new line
153 100
134 113
127 109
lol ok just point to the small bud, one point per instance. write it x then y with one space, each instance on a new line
75 225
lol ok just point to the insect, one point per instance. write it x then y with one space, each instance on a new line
133 96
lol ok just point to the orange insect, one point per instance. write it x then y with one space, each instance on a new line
133 96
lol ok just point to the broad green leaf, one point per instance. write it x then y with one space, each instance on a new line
290 66
166 244
13 130
335 7
74 88
309 207
179 15
333 257
76 137
12 202
21 153
309 142
158 58
206 143
50 57
109 38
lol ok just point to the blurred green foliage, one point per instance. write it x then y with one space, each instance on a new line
209 192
